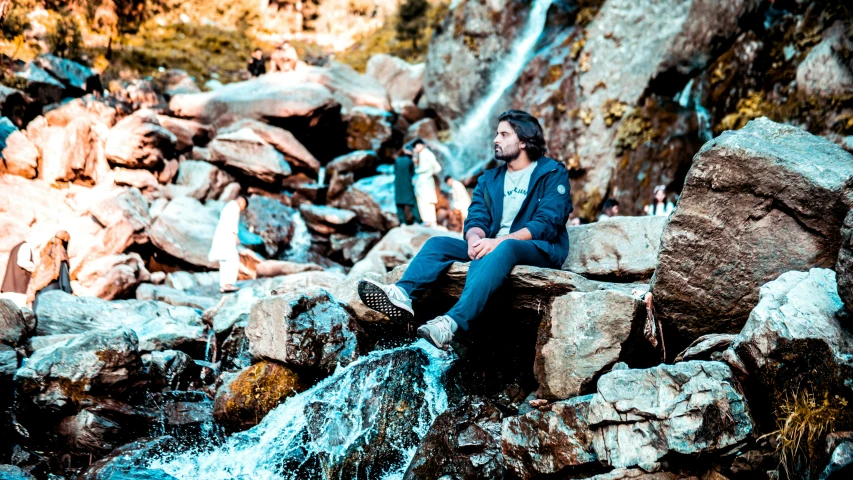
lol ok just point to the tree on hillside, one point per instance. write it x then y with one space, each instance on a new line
412 20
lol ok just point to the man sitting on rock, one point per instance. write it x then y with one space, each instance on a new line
517 217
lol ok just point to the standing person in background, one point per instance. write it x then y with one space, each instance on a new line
660 206
404 192
19 271
426 167
284 58
459 198
51 273
257 65
225 242
609 209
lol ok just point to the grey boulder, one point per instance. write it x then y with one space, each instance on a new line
621 248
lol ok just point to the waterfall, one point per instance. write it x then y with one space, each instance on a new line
364 421
475 125
687 98
300 243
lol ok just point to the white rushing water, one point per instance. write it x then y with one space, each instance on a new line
300 242
689 99
327 425
476 123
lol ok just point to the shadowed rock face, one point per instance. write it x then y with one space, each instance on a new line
844 267
758 202
463 442
129 461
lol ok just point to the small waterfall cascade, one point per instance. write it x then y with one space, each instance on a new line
473 134
300 243
688 98
365 421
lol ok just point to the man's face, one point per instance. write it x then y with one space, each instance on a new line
614 211
507 145
419 147
256 54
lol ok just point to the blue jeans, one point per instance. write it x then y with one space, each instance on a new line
484 275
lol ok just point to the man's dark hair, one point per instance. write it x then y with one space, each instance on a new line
528 130
446 178
258 49
417 142
609 203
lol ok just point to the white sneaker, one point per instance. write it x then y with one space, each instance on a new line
439 331
388 299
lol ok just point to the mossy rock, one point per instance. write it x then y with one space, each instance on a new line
253 393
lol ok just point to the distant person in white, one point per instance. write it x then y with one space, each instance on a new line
426 167
660 206
225 242
459 198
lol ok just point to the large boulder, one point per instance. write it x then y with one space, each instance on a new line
247 153
305 329
350 88
372 200
283 141
200 180
368 128
757 202
402 80
14 104
325 220
111 277
78 79
794 337
639 416
58 377
464 442
157 326
827 71
352 249
246 398
188 133
343 170
41 86
139 141
261 98
582 336
622 248
90 106
272 221
131 461
591 85
18 155
13 325
185 228
174 297
546 442
72 150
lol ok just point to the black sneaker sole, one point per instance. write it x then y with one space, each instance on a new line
376 299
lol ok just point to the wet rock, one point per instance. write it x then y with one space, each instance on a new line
55 378
90 432
111 277
200 180
402 80
8 362
474 39
174 369
233 309
839 446
638 416
186 280
545 442
185 228
844 266
247 153
270 219
463 442
325 220
139 141
11 472
77 78
793 336
188 133
342 170
275 268
41 86
785 192
622 248
352 249
827 70
372 200
306 329
157 326
283 141
172 296
234 352
18 155
703 347
583 335
368 128
13 326
246 398
263 98
131 461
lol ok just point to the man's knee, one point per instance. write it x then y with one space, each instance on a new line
440 244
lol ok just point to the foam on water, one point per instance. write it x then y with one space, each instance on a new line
256 454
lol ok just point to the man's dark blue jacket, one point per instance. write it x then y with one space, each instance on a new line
544 212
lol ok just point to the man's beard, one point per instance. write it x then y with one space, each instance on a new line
507 153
